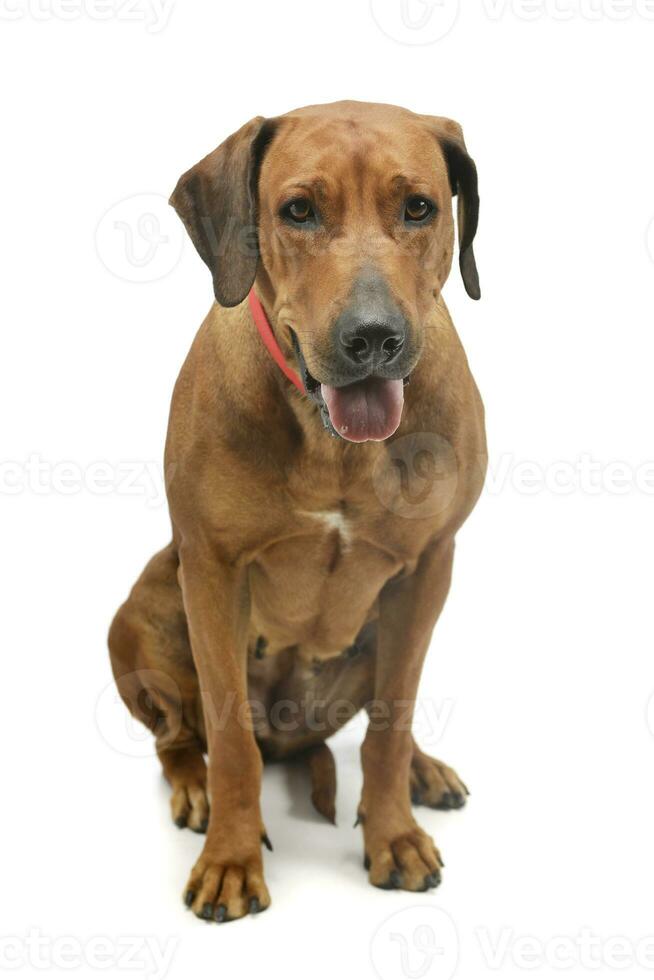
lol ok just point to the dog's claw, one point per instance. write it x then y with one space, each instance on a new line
265 839
188 898
255 905
207 911
451 801
366 862
221 913
180 822
394 880
435 785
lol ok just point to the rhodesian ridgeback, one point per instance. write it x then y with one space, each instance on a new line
326 441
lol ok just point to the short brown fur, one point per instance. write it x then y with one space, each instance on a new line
260 599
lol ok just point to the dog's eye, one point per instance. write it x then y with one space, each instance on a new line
418 208
299 211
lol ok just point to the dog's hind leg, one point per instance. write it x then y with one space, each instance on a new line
153 667
434 784
186 771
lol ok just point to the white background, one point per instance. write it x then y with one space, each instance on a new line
542 665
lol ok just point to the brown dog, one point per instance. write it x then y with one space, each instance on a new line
310 557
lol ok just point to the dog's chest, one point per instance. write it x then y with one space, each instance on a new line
316 586
335 537
334 523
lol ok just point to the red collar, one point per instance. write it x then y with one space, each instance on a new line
269 339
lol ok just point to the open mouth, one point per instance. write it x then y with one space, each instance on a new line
362 411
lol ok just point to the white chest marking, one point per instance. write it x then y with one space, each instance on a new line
333 521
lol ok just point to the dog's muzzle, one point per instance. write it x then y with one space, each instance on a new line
361 392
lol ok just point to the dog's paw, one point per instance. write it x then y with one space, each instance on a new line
189 805
220 891
410 861
434 784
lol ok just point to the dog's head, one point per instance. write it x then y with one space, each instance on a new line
344 213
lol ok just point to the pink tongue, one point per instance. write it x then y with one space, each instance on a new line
369 409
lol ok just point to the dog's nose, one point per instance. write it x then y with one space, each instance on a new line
371 344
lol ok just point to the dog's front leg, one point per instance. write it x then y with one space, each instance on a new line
227 880
398 853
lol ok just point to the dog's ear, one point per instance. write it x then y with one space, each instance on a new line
217 201
463 181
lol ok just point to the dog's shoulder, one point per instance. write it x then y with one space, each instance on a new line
224 401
